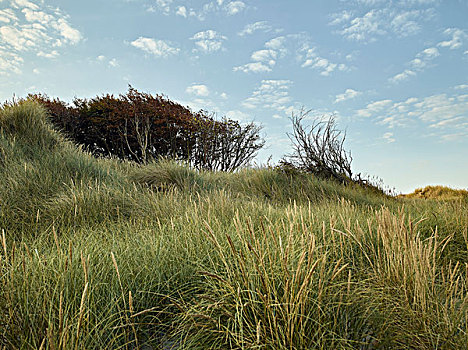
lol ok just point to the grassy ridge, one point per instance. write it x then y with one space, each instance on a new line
98 253
437 192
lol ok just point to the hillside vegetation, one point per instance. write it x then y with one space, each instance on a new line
110 254
437 192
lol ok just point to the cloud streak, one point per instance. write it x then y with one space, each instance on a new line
157 48
443 113
179 8
209 41
380 22
270 94
261 26
347 95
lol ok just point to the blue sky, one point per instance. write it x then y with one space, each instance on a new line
394 73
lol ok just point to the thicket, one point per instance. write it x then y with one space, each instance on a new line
138 126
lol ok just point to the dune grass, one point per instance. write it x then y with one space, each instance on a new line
99 253
438 193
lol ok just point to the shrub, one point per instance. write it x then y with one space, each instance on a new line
319 149
139 127
223 145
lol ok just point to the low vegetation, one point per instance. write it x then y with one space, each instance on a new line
107 253
437 192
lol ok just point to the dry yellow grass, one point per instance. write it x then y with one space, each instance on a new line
437 192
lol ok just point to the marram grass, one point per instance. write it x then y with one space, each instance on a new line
438 193
104 254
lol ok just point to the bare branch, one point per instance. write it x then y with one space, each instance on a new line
319 149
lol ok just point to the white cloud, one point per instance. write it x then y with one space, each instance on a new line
239 116
264 55
158 48
37 16
181 11
347 95
458 36
254 27
402 76
461 87
417 2
450 122
113 63
276 43
370 2
18 4
312 59
264 60
198 90
163 5
280 47
444 113
338 18
366 27
430 53
7 15
418 64
440 107
10 62
209 41
405 23
373 108
388 136
204 9
223 95
70 34
255 67
380 22
234 7
271 94
35 28
455 136
101 58
52 54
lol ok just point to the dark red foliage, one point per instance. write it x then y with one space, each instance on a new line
139 126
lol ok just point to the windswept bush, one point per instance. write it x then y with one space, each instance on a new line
139 126
319 149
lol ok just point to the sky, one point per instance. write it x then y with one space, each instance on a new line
394 73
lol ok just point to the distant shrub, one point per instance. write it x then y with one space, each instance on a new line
139 126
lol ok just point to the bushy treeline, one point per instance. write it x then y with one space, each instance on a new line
139 126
